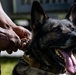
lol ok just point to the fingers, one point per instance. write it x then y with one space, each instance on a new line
11 48
12 40
28 34
14 45
23 43
9 51
22 32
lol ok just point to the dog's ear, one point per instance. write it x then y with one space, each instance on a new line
37 14
71 15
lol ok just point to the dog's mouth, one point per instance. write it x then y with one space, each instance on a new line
68 57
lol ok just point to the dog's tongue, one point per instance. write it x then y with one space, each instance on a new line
70 61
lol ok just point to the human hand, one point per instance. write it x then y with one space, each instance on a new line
9 40
22 32
25 36
10 31
14 33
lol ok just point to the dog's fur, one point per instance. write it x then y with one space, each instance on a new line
49 35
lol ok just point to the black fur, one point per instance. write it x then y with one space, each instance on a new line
49 34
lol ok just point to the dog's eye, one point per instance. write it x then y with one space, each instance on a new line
72 29
57 29
70 26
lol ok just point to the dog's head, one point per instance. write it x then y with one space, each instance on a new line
53 36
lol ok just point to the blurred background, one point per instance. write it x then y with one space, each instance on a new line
19 12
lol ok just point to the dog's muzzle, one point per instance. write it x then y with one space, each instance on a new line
66 52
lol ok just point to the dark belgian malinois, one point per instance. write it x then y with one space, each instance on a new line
50 50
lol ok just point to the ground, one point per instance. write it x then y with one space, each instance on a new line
7 65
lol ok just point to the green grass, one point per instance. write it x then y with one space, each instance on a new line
7 65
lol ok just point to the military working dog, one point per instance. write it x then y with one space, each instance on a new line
50 50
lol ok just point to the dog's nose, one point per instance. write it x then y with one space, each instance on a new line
72 35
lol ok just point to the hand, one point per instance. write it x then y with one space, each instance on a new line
10 33
22 32
9 40
25 36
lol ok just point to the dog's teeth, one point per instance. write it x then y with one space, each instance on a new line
57 52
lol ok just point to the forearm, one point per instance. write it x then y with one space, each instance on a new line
4 17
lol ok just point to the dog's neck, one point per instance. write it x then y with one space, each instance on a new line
35 66
47 65
54 68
